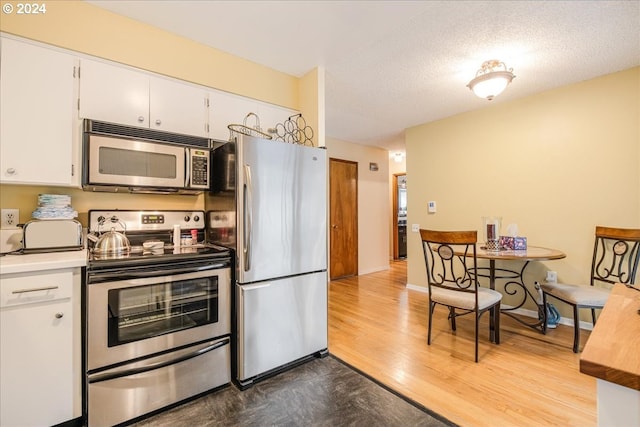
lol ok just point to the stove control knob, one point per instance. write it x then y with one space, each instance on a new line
101 219
187 218
196 218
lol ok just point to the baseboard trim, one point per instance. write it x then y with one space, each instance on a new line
374 269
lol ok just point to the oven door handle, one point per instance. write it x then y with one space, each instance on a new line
128 274
142 369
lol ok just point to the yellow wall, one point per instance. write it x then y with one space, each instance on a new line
373 202
312 99
557 164
87 29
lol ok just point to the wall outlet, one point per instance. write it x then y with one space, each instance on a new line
10 218
415 227
552 277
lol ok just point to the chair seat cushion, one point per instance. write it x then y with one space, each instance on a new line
578 294
465 300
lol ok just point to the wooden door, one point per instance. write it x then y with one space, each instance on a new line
343 217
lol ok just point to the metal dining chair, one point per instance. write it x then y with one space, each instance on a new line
616 255
450 259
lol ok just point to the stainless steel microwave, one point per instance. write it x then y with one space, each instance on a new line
120 158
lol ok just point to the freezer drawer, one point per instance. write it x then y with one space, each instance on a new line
280 321
120 394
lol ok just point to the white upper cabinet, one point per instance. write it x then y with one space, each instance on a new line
119 95
113 94
225 109
178 107
37 103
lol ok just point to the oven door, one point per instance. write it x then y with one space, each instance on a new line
135 318
132 163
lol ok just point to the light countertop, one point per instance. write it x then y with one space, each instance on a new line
10 264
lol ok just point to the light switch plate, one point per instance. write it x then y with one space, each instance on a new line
431 206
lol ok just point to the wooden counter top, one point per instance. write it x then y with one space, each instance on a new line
612 352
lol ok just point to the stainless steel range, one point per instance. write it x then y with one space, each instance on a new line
157 314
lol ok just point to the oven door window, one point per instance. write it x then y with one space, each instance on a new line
142 312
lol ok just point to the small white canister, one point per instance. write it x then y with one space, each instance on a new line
176 235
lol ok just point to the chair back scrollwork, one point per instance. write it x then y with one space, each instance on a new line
616 255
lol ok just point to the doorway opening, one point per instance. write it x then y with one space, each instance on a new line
400 216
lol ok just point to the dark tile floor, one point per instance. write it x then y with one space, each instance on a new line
321 392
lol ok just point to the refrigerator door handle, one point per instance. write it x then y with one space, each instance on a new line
247 217
246 288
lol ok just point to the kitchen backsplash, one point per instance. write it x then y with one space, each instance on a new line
25 198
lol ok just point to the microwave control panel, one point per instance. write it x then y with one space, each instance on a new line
199 168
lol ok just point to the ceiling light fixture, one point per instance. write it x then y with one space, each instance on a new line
491 79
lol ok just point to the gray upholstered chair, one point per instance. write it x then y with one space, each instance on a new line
616 256
450 258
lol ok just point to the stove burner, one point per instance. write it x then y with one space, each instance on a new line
138 255
152 243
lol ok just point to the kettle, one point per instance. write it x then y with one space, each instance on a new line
111 242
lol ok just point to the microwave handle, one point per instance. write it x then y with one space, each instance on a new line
187 159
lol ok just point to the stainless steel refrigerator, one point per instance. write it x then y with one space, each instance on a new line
269 203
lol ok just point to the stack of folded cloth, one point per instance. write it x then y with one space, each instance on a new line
54 206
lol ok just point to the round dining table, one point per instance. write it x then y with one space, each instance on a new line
514 278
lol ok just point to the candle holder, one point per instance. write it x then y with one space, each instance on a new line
491 228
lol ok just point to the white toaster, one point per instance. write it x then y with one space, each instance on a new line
52 235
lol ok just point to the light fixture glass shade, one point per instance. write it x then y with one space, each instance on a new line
397 157
490 82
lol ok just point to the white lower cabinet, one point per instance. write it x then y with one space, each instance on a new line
39 359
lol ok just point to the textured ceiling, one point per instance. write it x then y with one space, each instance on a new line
395 64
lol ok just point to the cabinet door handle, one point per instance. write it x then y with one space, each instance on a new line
140 119
158 122
22 291
11 171
59 315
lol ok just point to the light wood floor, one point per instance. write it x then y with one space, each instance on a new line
380 327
